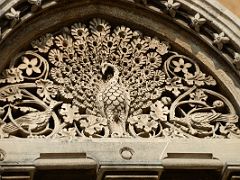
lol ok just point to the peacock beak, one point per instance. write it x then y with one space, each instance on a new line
104 70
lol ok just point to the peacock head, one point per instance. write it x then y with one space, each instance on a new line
109 69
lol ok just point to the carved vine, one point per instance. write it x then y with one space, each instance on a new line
95 80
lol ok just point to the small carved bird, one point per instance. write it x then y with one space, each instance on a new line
202 119
114 102
31 122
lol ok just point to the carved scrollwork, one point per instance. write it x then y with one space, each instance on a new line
95 80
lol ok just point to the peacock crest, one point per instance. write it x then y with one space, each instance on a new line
111 81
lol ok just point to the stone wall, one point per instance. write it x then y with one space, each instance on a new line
232 5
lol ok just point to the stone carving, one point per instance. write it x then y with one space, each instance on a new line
98 80
197 22
126 153
114 102
220 40
2 155
172 7
236 61
13 15
21 9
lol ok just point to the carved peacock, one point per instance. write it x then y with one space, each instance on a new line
108 73
113 82
114 102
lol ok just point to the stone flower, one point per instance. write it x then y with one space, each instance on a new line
69 113
199 79
125 50
147 73
159 111
56 75
66 133
66 70
80 47
79 31
181 66
220 40
172 7
174 85
136 72
139 60
199 95
12 75
46 89
93 124
55 57
143 122
10 94
159 77
30 66
44 43
123 33
162 48
197 22
154 60
13 14
99 27
64 42
139 45
236 61
65 93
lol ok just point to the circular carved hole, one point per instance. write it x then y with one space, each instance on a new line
139 46
71 56
94 43
124 50
122 34
137 60
65 43
152 60
100 28
85 60
56 57
81 46
110 44
125 64
146 72
79 32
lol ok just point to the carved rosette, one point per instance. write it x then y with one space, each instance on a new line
96 80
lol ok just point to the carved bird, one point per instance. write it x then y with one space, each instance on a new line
133 63
31 122
114 102
202 118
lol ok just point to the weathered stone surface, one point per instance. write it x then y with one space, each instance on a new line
142 69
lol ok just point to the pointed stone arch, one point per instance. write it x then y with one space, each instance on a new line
198 66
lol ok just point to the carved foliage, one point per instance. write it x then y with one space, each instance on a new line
95 80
